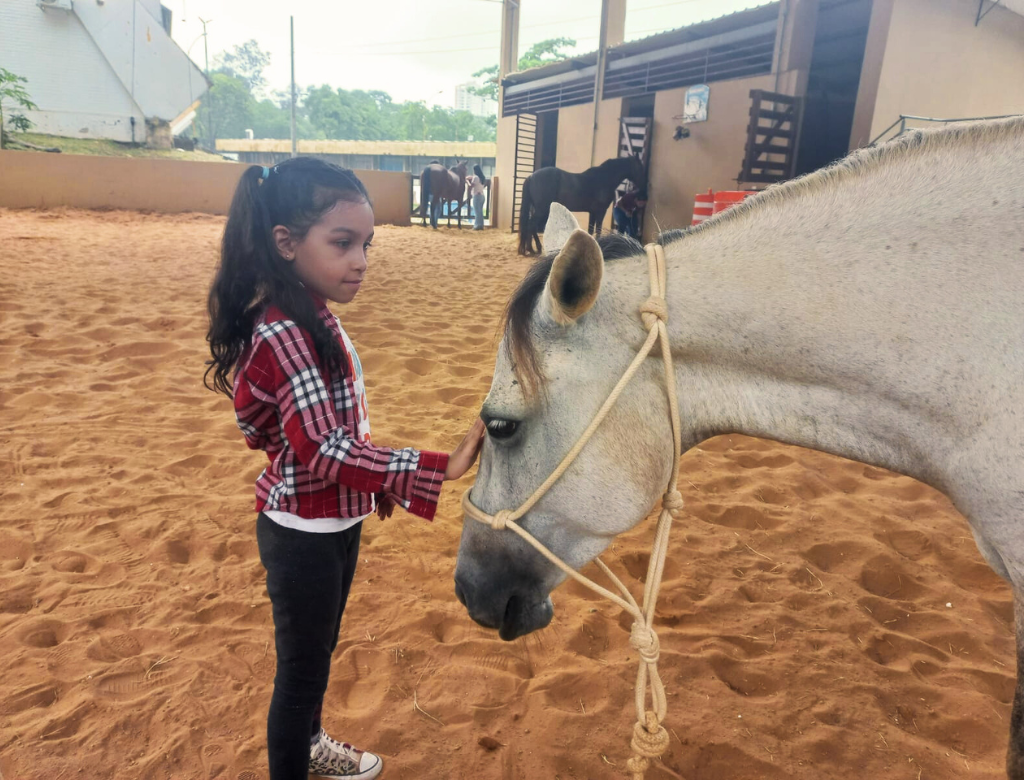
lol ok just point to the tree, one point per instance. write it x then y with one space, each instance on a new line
323 112
12 90
247 63
542 53
231 110
411 122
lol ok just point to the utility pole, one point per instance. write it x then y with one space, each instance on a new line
295 152
209 93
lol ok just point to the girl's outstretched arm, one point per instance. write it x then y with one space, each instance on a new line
284 366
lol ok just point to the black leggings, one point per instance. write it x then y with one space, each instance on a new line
308 578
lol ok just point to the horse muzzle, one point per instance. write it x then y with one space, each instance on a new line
513 608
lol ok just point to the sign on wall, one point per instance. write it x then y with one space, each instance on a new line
696 107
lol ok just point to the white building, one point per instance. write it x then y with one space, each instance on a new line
465 100
100 68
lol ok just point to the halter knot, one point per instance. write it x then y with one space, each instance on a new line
645 641
499 520
652 310
650 740
673 502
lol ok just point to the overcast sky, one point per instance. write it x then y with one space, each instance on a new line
412 49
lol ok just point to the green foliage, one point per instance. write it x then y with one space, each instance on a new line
247 63
232 106
489 89
359 115
541 53
106 148
13 92
545 52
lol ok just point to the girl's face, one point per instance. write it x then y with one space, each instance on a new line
331 259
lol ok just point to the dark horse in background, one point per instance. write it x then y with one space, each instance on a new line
591 191
439 185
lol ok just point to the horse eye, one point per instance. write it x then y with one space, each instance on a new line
502 429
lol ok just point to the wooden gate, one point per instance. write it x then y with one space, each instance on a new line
773 137
525 161
635 138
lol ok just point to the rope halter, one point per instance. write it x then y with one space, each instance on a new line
650 739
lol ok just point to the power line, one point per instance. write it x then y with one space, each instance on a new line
406 53
363 46
551 23
422 40
666 5
335 52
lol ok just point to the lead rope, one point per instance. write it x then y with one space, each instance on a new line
649 737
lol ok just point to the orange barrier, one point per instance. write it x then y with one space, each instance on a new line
725 199
703 206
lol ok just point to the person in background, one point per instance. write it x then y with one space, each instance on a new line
625 212
477 184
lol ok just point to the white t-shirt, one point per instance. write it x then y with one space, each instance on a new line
330 525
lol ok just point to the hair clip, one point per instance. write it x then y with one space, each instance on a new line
266 173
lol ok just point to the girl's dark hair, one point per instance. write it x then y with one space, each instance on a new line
480 174
296 194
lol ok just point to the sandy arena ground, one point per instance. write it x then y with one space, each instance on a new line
819 618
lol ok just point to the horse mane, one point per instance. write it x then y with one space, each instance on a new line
859 163
519 312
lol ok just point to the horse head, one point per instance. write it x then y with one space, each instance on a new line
568 339
461 168
638 175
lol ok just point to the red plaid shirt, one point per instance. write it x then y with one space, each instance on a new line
308 428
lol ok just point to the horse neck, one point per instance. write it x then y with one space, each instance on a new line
617 169
773 353
608 173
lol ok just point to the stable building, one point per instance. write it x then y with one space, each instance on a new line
755 97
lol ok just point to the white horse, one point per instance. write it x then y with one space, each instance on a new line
874 310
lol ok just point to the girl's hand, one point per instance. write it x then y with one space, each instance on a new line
463 456
385 506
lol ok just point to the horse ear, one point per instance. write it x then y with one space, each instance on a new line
559 227
575 278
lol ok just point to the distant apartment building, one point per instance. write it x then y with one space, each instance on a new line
466 100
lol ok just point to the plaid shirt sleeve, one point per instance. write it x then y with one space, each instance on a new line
329 448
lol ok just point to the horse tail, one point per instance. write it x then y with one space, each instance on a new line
525 233
425 192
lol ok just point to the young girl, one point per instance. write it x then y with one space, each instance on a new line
477 184
297 236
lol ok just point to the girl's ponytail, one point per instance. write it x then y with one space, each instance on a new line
234 292
295 193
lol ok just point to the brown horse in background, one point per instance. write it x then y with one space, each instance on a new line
591 191
438 185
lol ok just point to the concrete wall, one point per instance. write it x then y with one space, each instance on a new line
574 135
711 157
147 61
36 180
938 64
78 93
871 72
505 170
575 125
